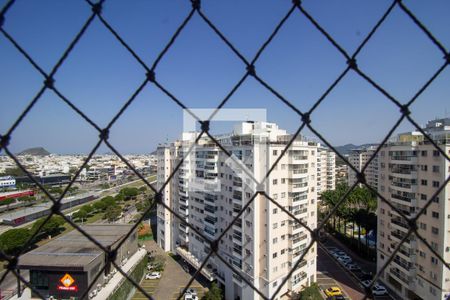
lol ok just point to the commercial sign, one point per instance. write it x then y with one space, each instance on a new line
67 282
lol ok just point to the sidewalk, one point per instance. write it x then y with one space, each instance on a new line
118 278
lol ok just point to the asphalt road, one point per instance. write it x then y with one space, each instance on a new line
331 273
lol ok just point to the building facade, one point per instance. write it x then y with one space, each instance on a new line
210 189
359 158
411 172
326 170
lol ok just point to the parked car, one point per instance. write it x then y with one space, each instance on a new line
344 259
332 249
191 291
352 267
364 276
339 253
153 275
333 291
366 283
190 297
150 267
379 290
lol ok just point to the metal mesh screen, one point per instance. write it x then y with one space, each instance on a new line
149 77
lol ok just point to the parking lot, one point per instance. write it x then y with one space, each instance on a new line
172 282
331 273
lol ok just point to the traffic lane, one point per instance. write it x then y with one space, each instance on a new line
326 264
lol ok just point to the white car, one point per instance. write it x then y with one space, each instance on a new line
379 290
153 275
150 267
344 259
190 297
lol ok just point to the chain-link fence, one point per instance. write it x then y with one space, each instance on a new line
149 77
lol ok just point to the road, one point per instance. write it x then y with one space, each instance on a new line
331 273
102 193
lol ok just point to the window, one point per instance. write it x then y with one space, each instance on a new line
275 152
424 153
275 269
39 280
423 182
435 214
274 255
422 254
424 168
275 181
434 246
382 211
423 197
283 195
435 169
275 240
274 284
436 153
434 230
283 237
274 225
274 211
423 226
283 223
434 260
436 184
283 180
432 289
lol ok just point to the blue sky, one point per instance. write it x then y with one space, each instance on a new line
200 69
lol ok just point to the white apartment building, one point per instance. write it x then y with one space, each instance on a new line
411 171
358 158
326 170
209 191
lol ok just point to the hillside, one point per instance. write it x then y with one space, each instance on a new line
37 151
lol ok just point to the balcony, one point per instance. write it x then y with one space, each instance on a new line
210 220
400 223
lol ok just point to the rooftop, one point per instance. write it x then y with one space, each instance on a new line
74 249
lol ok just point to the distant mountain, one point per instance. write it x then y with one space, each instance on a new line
346 149
37 151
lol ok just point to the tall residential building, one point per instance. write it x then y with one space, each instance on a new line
411 171
358 158
210 189
326 170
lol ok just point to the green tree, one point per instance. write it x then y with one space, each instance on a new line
16 172
99 206
7 201
119 197
80 215
112 213
13 240
214 293
309 293
88 209
129 193
52 227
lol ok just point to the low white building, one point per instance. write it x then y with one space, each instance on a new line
7 181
